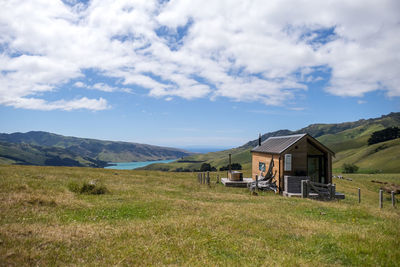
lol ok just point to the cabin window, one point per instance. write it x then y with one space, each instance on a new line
288 162
261 166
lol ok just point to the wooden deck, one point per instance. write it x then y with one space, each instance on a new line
313 195
229 183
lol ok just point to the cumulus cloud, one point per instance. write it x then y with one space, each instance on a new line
254 51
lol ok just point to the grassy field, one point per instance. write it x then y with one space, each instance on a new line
156 218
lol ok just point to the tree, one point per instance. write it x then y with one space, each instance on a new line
205 167
349 168
384 135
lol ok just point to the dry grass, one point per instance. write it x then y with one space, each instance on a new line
154 218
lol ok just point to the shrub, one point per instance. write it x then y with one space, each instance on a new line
205 167
349 168
90 188
74 187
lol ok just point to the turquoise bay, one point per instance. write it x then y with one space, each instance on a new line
135 164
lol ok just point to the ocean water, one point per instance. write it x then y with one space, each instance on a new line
135 165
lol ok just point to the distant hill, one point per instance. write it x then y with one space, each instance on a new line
25 154
349 140
43 148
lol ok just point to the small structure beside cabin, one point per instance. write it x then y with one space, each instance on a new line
293 155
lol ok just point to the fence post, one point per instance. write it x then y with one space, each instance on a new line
334 191
256 182
381 198
331 191
303 188
198 177
359 195
208 178
393 200
217 179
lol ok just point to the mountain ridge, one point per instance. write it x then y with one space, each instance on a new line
78 151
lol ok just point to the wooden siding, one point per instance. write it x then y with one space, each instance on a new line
265 158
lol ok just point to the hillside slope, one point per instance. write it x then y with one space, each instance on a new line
347 139
24 154
381 157
32 148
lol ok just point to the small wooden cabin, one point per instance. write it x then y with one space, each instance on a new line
293 155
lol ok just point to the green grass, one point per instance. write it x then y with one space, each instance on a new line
158 218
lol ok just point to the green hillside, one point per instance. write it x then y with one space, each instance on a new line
43 148
381 157
348 140
24 154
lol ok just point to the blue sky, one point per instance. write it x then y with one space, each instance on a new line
175 73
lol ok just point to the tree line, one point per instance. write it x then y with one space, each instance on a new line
206 167
384 135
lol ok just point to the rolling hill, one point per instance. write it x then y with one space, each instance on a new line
43 148
348 140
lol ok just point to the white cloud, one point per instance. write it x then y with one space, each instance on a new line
79 84
255 51
40 104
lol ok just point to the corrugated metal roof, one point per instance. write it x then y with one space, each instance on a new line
278 144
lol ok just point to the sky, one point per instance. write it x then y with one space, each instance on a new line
198 73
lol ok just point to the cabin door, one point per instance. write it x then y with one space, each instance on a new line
316 168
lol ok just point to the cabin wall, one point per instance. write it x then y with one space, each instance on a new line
299 158
315 149
329 166
299 161
264 158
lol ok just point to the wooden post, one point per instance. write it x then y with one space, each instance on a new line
208 178
198 177
359 195
217 179
303 188
330 190
256 183
393 200
230 162
204 178
381 198
333 191
308 188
